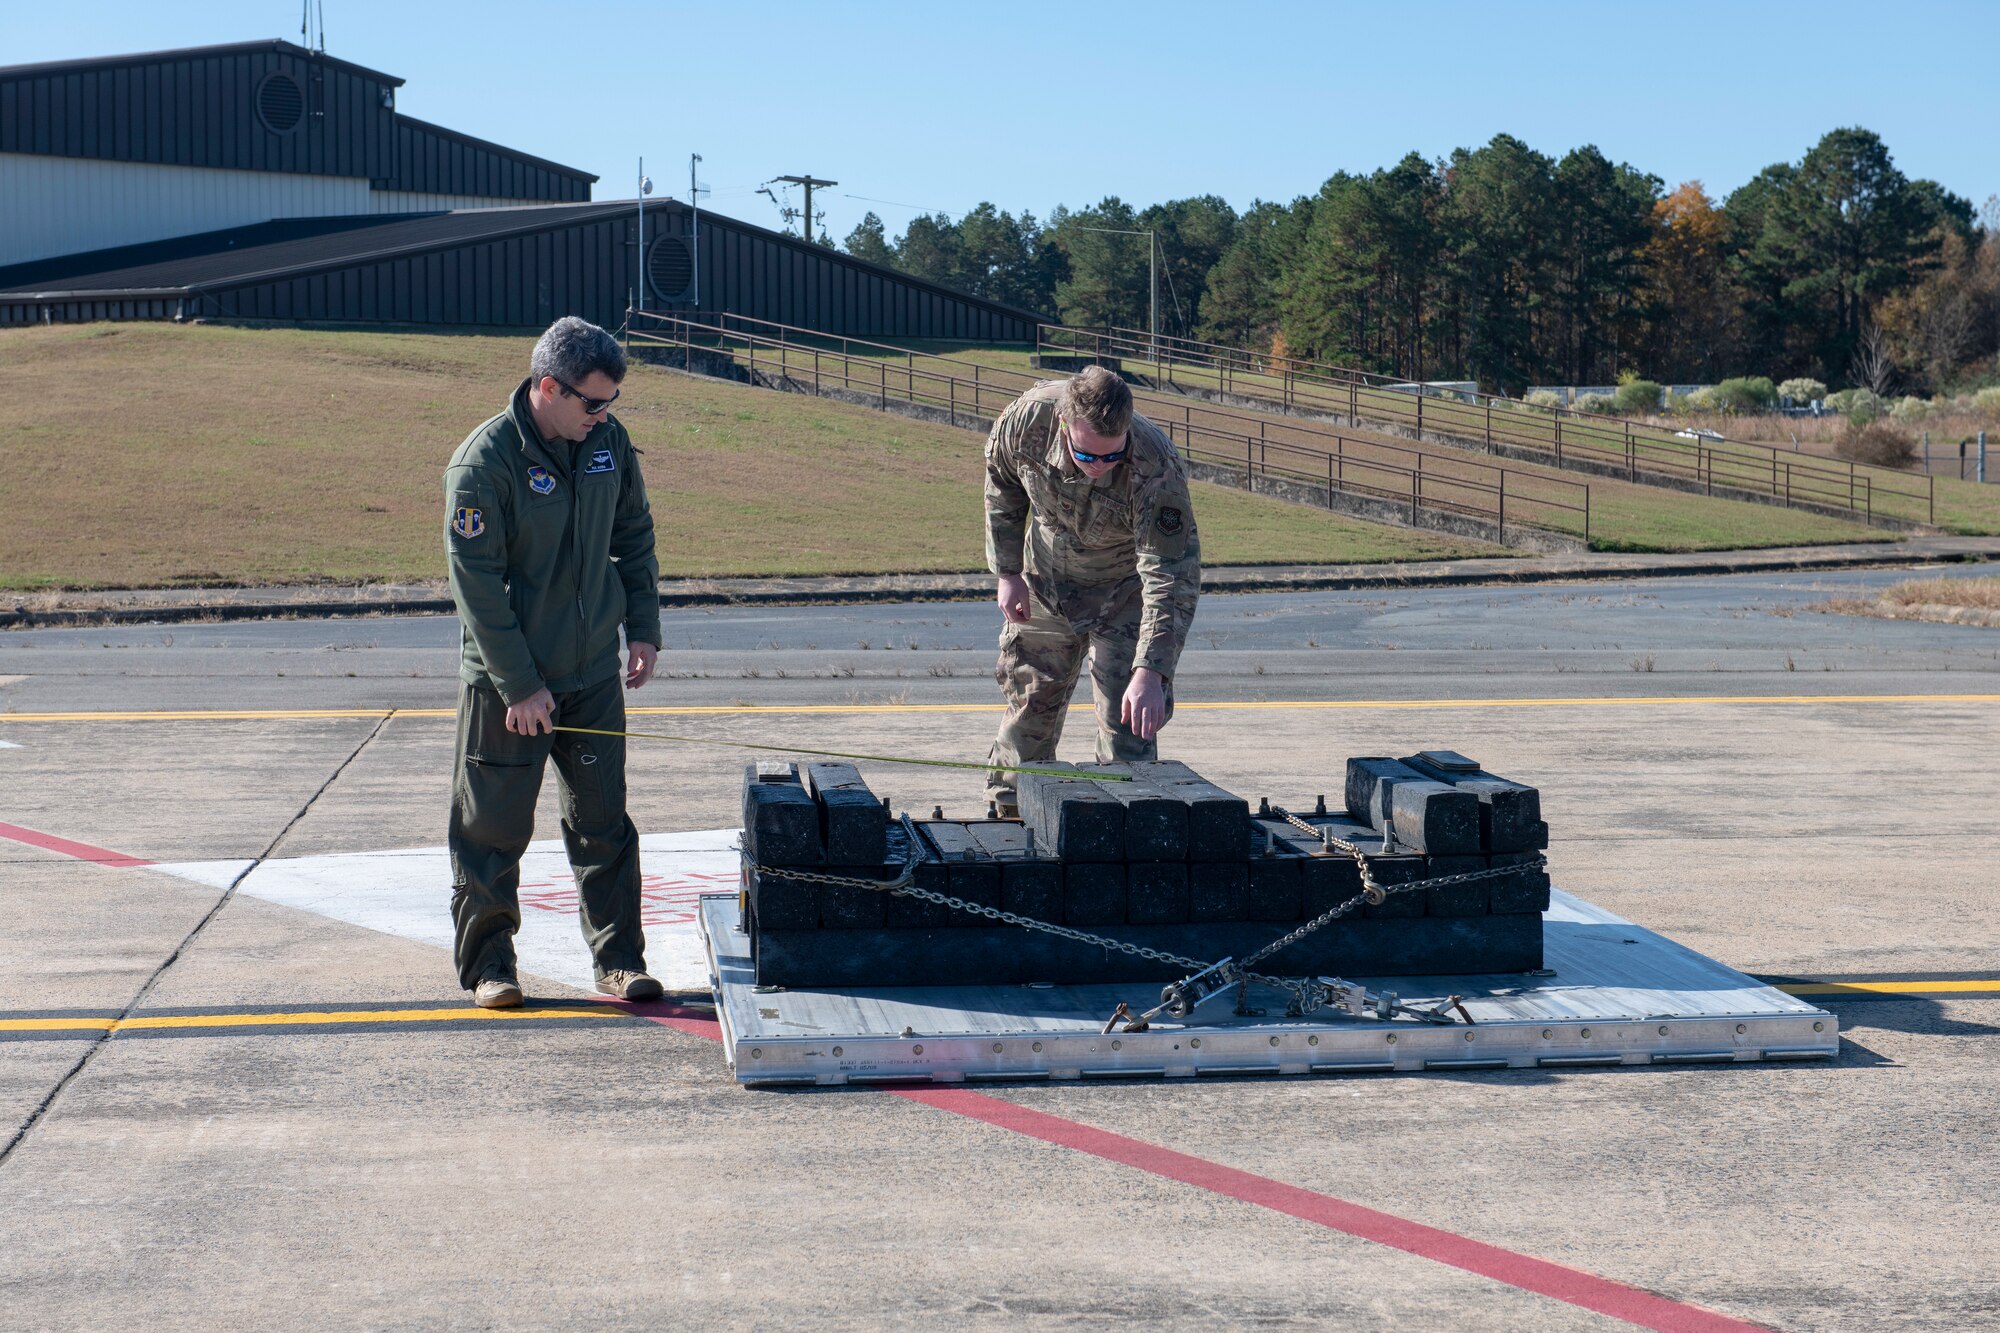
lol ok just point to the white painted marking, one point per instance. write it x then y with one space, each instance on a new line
8 745
407 894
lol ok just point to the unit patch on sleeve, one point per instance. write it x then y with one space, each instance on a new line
1169 520
467 522
600 461
539 480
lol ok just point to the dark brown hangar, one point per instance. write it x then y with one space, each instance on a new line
266 181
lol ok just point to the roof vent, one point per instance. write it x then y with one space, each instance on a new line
669 268
281 103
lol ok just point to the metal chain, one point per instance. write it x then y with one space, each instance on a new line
905 885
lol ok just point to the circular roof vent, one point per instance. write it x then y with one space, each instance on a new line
669 268
281 103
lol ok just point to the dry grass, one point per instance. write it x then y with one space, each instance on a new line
1982 593
212 455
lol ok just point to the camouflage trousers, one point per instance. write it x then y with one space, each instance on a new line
1038 669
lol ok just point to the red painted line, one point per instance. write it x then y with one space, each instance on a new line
82 851
694 1022
1603 1295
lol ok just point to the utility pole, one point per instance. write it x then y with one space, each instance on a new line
809 181
1152 277
694 224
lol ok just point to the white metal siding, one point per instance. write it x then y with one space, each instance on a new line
66 205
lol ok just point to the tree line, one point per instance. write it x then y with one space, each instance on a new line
1504 265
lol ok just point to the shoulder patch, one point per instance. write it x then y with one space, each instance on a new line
467 522
1170 520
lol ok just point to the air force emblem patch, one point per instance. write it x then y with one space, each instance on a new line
600 461
539 480
1169 520
467 522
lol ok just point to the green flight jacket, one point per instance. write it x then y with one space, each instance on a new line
550 547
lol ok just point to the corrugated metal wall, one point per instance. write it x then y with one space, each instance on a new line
200 110
68 205
587 268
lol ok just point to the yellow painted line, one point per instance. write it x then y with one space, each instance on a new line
1274 705
310 1018
1889 987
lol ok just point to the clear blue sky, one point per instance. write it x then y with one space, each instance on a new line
1030 104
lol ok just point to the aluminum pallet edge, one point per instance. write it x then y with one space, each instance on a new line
1617 994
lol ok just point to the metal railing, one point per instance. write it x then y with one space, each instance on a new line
1567 438
1302 455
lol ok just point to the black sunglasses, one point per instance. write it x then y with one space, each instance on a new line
592 406
1082 457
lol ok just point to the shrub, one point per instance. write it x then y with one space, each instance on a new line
1850 402
1603 404
1701 400
1635 396
1802 391
1544 398
1910 408
1877 444
1987 401
1749 393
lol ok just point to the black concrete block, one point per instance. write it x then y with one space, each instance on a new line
1073 818
847 907
780 821
1274 888
970 873
1510 816
1030 885
1218 820
1526 892
1219 891
1435 817
1156 820
1093 893
1390 871
1005 956
907 913
778 902
1156 893
1456 899
1371 783
853 821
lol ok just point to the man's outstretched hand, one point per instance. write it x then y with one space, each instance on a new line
1144 707
1013 598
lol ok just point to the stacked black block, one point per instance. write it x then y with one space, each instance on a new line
1150 854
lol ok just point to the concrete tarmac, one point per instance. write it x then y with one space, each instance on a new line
1797 794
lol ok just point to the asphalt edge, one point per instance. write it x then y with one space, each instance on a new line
977 588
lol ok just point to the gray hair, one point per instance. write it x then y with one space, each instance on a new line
573 348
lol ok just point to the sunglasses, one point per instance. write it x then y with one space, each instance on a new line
591 406
1082 457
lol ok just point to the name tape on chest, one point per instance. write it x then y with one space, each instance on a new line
601 461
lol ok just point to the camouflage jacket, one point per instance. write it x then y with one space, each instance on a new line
1084 545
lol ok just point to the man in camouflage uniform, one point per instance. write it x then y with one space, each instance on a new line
1089 529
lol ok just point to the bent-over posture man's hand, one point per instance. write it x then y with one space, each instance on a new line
1144 707
1013 598
641 657
534 715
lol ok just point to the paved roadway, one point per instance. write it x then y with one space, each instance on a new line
1797 794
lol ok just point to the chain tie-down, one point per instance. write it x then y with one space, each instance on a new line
1204 981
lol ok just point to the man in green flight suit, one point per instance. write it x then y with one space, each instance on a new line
1089 529
550 545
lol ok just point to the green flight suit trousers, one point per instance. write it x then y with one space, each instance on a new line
498 778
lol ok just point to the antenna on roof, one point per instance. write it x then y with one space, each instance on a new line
312 25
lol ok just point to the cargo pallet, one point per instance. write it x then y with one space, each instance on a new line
1611 993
